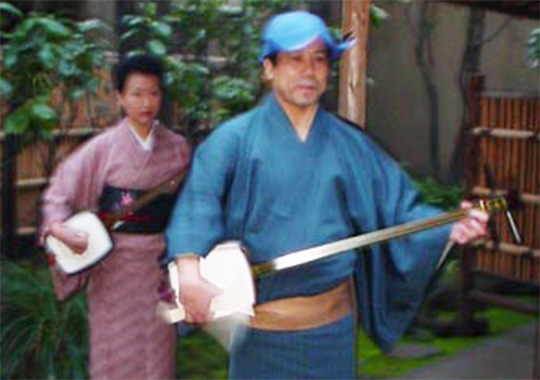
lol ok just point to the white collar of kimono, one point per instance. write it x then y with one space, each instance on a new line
147 143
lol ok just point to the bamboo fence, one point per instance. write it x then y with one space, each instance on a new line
504 154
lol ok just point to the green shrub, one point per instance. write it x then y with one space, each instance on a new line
436 194
41 337
41 53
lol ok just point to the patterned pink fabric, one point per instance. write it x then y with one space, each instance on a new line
127 340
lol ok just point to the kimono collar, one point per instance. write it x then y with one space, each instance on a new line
277 116
148 143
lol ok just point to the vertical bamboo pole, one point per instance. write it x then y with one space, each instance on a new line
498 167
518 150
499 164
522 186
528 171
532 177
535 189
509 181
506 157
474 156
491 157
518 181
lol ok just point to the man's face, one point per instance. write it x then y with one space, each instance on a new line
300 78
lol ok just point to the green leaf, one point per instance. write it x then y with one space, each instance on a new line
67 68
199 69
44 116
53 27
162 29
17 122
93 24
171 19
24 29
9 58
149 8
76 94
5 87
533 48
377 15
47 57
135 52
132 21
8 8
156 47
127 18
130 33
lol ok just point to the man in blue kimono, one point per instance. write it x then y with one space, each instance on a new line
288 175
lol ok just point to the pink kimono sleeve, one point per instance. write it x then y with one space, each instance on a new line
75 186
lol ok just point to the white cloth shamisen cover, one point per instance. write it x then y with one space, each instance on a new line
99 244
227 268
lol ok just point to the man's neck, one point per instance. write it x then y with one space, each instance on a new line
301 118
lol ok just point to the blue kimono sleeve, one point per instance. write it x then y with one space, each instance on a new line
197 221
392 278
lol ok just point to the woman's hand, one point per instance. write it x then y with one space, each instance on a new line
76 240
196 293
471 227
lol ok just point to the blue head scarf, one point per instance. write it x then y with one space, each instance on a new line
292 31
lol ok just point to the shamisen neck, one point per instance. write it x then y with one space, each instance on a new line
301 117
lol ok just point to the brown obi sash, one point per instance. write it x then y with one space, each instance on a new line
298 313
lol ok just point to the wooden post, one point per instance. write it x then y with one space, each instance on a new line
467 324
352 83
475 86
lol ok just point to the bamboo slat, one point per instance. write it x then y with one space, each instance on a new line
27 231
82 132
31 183
506 133
523 197
512 249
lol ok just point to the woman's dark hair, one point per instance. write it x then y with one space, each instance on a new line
140 63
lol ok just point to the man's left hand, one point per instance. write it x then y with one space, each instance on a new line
471 227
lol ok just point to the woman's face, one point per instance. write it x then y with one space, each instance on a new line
141 99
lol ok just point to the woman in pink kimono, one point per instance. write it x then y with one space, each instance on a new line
127 339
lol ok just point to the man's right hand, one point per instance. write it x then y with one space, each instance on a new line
76 240
196 293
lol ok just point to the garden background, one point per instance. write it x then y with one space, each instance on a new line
56 92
